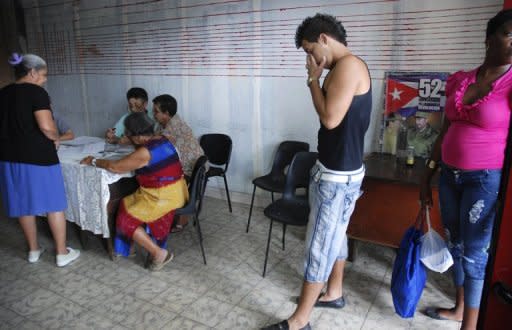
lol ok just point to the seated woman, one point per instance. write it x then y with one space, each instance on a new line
162 190
170 125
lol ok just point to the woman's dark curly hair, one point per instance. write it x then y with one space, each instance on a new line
311 28
497 21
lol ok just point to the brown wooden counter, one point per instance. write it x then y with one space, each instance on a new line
389 204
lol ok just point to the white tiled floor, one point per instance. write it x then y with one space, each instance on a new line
228 293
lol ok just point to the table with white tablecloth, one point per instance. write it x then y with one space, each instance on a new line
88 187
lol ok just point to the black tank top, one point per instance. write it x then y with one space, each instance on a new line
341 148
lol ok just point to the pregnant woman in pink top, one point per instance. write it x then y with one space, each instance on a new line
470 151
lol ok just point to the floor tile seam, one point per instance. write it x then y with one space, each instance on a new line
116 287
245 307
113 322
238 259
5 303
18 270
230 310
116 293
204 222
151 302
254 284
179 315
166 311
185 306
38 322
104 314
85 309
74 273
273 269
32 282
19 315
201 292
374 299
234 303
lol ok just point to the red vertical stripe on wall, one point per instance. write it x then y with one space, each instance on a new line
507 4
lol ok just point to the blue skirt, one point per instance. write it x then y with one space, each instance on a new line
29 189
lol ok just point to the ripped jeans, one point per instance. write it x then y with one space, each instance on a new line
468 209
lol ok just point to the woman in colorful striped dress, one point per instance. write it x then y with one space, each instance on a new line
162 190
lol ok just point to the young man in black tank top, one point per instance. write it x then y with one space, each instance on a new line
343 105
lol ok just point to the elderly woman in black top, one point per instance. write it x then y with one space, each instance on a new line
31 180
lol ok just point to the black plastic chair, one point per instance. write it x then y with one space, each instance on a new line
291 209
195 201
274 181
217 148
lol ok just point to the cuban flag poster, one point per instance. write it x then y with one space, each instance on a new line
416 99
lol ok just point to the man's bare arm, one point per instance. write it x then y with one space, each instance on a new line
341 86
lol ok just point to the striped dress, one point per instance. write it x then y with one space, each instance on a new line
162 190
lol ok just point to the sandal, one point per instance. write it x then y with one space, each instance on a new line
434 313
154 266
178 228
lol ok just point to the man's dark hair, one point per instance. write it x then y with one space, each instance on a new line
137 93
311 28
167 103
138 123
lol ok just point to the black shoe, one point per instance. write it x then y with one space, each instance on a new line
434 313
336 303
283 325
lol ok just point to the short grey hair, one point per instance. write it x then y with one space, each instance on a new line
27 63
138 124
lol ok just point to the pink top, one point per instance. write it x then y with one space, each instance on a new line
478 132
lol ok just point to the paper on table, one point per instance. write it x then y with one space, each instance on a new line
125 149
82 140
93 148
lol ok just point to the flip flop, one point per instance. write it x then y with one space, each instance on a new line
153 266
433 312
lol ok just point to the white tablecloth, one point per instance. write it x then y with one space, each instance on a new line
87 189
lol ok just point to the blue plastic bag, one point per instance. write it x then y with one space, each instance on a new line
409 274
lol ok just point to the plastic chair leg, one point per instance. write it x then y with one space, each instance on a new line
227 192
250 209
268 245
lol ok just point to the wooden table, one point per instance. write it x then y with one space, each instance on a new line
389 204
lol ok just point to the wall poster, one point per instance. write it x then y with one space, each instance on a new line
415 100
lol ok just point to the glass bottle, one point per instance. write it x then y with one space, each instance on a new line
410 156
401 141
